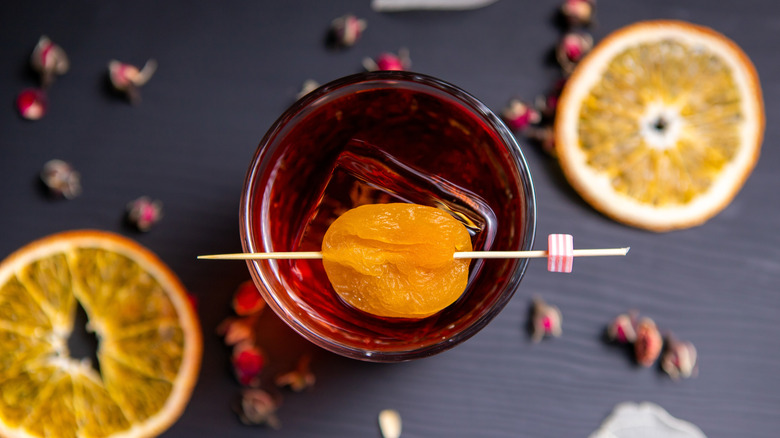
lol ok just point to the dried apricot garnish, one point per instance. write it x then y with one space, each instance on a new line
396 260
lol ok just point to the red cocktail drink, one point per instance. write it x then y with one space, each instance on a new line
377 138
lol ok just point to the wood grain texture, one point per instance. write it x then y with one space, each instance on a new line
227 70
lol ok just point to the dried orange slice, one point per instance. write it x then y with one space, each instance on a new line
396 260
149 339
661 124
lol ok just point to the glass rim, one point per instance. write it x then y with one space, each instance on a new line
392 78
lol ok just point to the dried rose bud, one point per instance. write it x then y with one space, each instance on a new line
572 48
300 378
248 362
49 60
545 136
247 299
519 115
257 407
546 320
143 213
61 179
32 103
578 12
346 30
389 61
237 330
623 329
128 78
679 358
647 346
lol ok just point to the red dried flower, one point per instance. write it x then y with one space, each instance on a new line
247 299
572 48
546 320
623 329
389 61
32 103
519 115
143 213
248 362
648 344
49 60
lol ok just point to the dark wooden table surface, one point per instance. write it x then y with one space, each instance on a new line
228 69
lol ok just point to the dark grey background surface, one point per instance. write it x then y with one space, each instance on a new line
228 69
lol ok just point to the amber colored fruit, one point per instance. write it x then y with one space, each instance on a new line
661 124
396 260
149 339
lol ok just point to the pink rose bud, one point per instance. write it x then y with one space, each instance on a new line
248 362
648 344
572 48
578 12
143 213
389 61
32 103
346 30
623 329
49 60
128 78
546 320
519 115
257 407
679 358
61 179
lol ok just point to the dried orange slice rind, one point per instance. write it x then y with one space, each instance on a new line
149 339
661 124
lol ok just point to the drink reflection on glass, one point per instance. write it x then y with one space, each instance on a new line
377 138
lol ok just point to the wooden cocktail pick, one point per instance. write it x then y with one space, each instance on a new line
560 254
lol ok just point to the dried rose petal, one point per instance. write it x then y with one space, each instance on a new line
648 344
346 30
623 329
546 320
49 60
248 362
257 407
389 61
300 378
143 213
32 103
519 115
578 12
247 299
679 358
